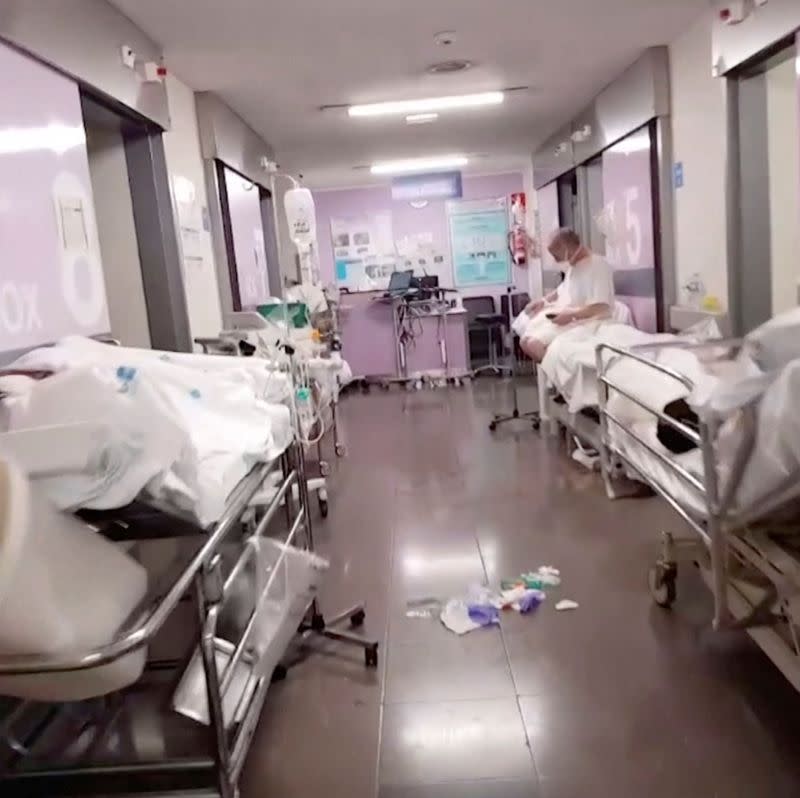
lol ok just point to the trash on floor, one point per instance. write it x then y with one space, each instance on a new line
457 616
522 599
530 601
567 604
587 457
482 607
483 614
544 576
423 608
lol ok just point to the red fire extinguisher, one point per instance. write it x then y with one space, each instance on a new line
518 238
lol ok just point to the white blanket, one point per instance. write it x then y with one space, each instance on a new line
181 437
263 381
570 363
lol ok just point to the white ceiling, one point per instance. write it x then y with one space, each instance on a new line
276 62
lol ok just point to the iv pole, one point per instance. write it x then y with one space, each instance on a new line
508 343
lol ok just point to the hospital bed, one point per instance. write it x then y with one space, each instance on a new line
737 486
119 716
567 377
321 367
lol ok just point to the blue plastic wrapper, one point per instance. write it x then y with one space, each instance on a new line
483 614
530 601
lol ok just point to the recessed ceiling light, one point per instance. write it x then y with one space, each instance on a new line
429 164
427 104
421 119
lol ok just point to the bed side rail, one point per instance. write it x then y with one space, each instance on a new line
140 632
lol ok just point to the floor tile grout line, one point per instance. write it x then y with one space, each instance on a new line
513 679
385 655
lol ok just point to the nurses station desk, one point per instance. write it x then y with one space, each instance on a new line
368 329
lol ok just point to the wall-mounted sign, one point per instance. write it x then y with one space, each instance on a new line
438 185
677 172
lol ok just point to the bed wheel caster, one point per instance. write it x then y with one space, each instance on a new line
323 508
364 387
324 468
536 425
357 618
385 386
340 449
492 426
662 580
279 673
371 656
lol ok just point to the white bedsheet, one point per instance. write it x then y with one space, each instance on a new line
654 471
774 462
570 363
264 382
181 437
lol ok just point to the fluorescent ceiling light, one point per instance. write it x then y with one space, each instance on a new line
427 105
421 119
419 164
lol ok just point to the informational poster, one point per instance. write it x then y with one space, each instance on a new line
479 242
421 253
363 250
190 221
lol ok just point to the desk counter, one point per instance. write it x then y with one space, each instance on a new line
367 327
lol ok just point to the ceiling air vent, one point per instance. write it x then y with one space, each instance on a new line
449 67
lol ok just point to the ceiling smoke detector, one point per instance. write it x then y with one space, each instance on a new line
445 38
449 67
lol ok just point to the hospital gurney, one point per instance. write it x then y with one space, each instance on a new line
745 542
186 726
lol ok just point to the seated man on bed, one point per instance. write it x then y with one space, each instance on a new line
586 293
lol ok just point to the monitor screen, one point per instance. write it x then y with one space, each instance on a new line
400 281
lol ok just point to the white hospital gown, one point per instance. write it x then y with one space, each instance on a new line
591 282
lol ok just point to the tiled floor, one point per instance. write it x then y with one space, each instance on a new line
617 698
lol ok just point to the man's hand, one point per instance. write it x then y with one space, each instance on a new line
532 308
564 318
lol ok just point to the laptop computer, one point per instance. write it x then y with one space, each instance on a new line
399 284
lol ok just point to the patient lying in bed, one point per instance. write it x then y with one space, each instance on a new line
587 293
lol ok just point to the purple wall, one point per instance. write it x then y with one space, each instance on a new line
407 220
628 197
244 205
51 279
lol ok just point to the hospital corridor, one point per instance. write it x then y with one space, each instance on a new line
400 400
617 697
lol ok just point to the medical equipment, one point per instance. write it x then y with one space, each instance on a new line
298 205
317 372
409 313
508 343
736 488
